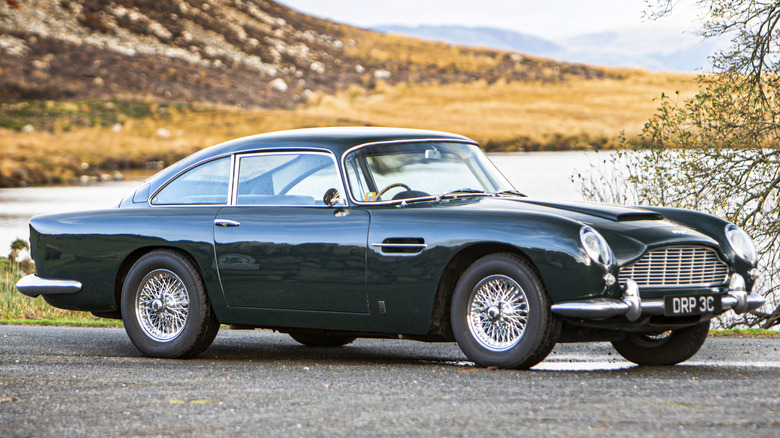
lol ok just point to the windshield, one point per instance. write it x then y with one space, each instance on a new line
396 171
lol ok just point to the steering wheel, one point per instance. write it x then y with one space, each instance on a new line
386 189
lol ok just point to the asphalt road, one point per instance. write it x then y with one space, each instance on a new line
92 382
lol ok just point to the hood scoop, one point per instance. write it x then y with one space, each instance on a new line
604 211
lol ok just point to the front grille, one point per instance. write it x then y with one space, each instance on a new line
674 266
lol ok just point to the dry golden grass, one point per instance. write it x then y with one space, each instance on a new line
509 115
502 111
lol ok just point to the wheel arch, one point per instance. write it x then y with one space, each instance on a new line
136 255
440 318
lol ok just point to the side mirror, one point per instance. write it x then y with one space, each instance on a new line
332 197
432 154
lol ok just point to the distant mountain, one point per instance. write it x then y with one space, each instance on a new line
479 37
653 47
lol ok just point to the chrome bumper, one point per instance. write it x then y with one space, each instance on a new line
633 307
32 286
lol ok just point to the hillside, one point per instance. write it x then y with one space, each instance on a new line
90 89
246 53
480 36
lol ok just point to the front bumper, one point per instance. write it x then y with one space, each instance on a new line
32 286
633 307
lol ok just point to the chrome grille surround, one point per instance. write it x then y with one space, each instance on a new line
677 266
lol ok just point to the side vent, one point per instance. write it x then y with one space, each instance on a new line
401 245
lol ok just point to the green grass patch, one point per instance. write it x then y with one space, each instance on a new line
745 332
66 322
16 308
51 115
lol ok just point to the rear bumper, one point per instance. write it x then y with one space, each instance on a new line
633 307
32 286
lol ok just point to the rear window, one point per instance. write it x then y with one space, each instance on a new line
205 184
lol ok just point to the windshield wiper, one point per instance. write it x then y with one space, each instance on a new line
511 192
464 191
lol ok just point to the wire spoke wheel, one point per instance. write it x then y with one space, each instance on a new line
497 313
162 305
500 313
165 306
667 347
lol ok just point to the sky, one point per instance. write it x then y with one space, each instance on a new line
551 19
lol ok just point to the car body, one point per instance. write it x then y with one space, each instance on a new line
330 234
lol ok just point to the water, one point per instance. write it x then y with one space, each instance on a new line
538 174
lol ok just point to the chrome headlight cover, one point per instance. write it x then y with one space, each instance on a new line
741 243
596 247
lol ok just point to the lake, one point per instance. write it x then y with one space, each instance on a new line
537 174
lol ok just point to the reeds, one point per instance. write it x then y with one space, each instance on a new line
16 308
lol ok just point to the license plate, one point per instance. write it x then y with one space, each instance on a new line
692 305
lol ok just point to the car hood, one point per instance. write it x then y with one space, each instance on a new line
630 231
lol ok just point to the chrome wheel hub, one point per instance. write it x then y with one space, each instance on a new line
162 305
498 313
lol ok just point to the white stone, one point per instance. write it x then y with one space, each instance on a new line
382 74
164 133
278 84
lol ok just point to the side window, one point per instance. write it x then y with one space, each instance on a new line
356 178
285 179
205 184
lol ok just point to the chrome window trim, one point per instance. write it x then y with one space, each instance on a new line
345 180
182 172
233 165
236 164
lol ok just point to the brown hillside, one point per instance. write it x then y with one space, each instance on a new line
248 53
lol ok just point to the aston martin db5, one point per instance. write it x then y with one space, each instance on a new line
333 234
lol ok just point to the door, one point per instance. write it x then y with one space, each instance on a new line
281 247
296 258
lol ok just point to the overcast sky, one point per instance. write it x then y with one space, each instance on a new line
545 18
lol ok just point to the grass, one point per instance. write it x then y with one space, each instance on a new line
745 332
75 139
517 115
16 308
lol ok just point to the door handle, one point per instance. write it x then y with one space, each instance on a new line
226 223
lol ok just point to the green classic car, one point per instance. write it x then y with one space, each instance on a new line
332 234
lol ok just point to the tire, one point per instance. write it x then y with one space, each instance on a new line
515 327
165 309
320 338
667 348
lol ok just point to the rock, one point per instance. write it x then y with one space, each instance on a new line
278 84
28 128
164 133
382 74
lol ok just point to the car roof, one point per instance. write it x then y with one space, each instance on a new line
336 140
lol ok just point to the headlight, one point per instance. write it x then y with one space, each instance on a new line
741 243
596 247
